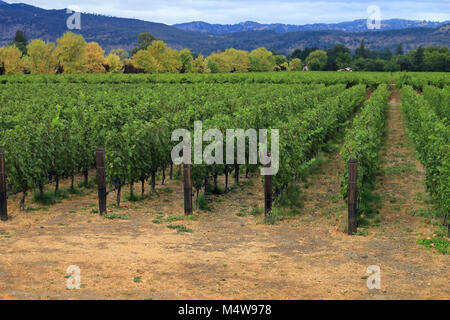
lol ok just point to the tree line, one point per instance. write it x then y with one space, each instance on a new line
72 54
432 58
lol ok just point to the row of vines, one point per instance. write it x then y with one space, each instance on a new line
51 125
428 127
50 131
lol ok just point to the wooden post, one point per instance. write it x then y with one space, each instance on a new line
187 189
268 192
3 197
352 196
101 179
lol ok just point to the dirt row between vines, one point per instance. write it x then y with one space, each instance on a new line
230 254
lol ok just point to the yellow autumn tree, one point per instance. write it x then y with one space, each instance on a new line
42 57
144 60
261 60
168 59
231 60
295 64
200 65
94 56
121 53
114 63
25 63
70 52
10 57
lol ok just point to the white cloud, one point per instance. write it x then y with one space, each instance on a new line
270 11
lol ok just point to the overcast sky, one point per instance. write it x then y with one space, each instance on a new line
263 11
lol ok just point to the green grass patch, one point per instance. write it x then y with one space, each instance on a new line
115 207
112 216
440 244
62 194
362 232
218 191
75 191
427 212
92 184
203 203
256 210
137 279
291 198
174 218
167 190
275 216
133 197
399 169
46 198
192 218
180 228
33 209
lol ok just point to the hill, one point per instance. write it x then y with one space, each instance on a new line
113 32
352 26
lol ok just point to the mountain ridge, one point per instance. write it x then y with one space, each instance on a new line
358 25
114 32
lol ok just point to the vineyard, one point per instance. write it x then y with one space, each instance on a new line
52 128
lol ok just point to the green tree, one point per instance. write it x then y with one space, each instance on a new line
340 52
145 40
301 54
392 65
437 59
212 66
362 52
20 41
343 60
186 61
399 51
404 62
385 55
418 59
279 59
317 60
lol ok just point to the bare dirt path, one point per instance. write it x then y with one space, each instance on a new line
230 254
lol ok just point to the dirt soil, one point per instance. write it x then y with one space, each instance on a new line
230 254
